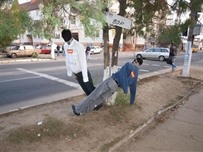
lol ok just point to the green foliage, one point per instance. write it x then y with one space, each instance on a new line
35 55
55 12
170 34
145 15
14 22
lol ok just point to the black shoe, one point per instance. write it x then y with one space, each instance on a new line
98 107
73 107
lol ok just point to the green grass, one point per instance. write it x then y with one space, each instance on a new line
148 79
1 128
105 147
51 127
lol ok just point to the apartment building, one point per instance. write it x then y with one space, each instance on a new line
129 43
77 30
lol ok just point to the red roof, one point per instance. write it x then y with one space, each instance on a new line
32 5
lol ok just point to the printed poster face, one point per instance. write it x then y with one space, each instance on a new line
132 74
69 51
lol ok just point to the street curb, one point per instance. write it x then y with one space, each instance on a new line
153 119
25 60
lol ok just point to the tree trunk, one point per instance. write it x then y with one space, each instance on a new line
106 52
114 62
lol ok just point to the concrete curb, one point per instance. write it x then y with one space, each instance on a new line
25 60
153 119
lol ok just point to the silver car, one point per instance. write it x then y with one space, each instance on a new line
154 53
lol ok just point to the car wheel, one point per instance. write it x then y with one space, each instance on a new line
161 58
13 55
139 56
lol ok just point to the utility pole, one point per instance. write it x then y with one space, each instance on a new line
188 51
196 5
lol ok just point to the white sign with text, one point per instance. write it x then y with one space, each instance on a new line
117 20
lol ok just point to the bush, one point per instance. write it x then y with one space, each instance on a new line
35 55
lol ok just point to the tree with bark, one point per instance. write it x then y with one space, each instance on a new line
14 22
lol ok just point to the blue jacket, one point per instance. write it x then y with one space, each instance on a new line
127 76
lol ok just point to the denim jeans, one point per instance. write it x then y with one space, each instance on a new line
173 64
104 91
58 52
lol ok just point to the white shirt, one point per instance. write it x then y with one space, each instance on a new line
76 59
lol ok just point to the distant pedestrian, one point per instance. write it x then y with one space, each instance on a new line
58 50
88 52
126 76
63 50
172 54
76 62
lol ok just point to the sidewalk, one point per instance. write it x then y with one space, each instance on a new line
182 131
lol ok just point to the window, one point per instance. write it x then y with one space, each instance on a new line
72 20
150 50
164 50
157 50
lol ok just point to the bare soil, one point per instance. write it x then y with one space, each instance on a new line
99 130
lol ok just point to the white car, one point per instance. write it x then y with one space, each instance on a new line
95 49
154 53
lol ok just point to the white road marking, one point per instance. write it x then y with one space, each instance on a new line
72 84
20 79
143 70
167 66
145 64
155 65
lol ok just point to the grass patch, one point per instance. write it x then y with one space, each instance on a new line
169 104
118 111
35 55
51 127
122 99
105 147
1 128
180 97
148 79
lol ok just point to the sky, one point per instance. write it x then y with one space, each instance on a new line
23 1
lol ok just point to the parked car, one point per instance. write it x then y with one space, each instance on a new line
194 48
11 47
44 49
95 49
61 50
154 53
22 50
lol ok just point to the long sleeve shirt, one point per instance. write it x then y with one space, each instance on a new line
76 59
127 76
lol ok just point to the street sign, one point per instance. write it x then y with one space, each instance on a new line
197 29
117 20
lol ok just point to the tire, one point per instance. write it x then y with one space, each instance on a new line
139 56
161 58
13 55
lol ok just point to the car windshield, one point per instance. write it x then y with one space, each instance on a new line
15 48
